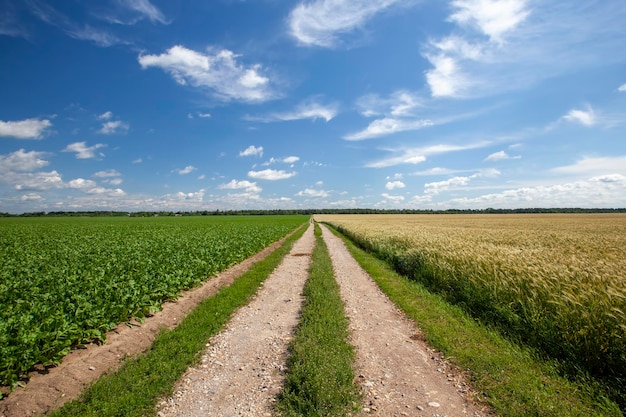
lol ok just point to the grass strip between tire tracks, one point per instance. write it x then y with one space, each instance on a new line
511 378
320 373
138 385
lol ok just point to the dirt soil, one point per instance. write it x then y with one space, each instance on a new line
242 369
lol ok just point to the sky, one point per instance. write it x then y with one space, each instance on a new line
133 105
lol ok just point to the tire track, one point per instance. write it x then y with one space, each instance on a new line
242 369
399 374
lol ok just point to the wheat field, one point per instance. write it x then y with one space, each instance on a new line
556 282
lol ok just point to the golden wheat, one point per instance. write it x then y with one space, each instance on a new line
556 281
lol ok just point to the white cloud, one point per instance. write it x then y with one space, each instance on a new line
399 104
25 129
187 170
310 192
271 174
31 197
204 115
595 166
145 9
252 151
22 161
218 71
317 23
446 79
595 192
138 161
392 185
83 151
307 110
16 170
114 127
107 174
105 116
586 118
433 172
37 181
497 156
81 184
494 18
622 88
387 126
88 33
394 198
288 160
434 188
418 155
250 187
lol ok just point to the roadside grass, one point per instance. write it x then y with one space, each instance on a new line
508 377
141 382
320 373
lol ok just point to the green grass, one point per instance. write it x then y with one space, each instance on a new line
320 378
510 378
139 384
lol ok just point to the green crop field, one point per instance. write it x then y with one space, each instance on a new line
67 281
554 282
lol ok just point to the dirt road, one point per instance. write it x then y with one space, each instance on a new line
243 367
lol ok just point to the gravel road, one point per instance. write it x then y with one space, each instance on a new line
242 370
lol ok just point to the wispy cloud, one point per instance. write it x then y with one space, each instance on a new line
501 155
311 192
387 126
622 88
586 118
114 127
252 151
401 103
145 9
25 129
393 198
320 22
105 116
288 160
107 174
310 109
83 151
53 17
494 18
595 166
418 155
504 45
184 171
10 24
217 70
271 174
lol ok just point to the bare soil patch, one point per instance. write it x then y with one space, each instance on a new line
49 388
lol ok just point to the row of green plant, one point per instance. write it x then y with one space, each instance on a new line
141 382
559 289
507 376
320 378
66 282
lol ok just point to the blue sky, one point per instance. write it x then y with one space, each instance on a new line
226 104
